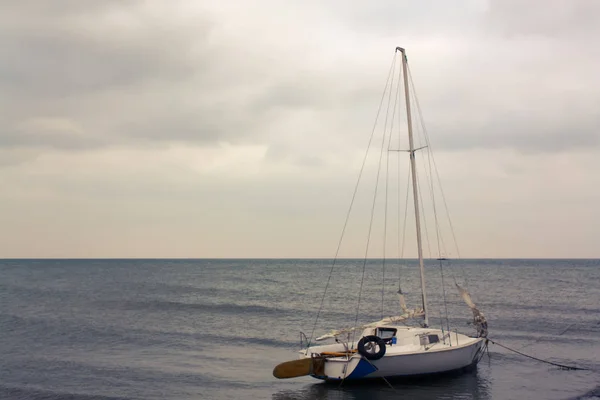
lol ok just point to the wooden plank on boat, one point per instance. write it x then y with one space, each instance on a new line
293 369
338 353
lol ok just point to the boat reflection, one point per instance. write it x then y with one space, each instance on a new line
471 385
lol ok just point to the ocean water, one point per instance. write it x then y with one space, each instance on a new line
214 329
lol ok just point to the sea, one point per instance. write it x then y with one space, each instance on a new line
214 329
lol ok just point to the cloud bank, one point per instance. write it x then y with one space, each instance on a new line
204 129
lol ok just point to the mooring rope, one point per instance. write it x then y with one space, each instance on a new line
567 367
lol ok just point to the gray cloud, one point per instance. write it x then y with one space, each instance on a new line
49 132
13 157
72 50
127 74
403 19
557 19
102 69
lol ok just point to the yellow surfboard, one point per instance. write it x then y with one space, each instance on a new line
292 369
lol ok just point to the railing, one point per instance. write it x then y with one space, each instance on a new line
303 338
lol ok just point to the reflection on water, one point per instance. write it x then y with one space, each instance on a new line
470 385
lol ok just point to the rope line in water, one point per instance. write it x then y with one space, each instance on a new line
567 367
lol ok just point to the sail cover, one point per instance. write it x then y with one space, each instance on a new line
385 321
402 302
478 318
407 314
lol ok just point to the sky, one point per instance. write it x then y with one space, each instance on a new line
238 128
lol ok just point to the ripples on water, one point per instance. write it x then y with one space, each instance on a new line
208 329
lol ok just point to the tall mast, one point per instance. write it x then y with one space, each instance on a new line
413 169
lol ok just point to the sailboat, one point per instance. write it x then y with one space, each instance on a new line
390 347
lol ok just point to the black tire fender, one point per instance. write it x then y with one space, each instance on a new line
375 340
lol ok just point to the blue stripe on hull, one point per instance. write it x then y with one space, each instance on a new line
361 371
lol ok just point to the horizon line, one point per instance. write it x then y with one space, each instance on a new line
294 258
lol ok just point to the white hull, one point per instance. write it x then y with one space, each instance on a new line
427 362
405 359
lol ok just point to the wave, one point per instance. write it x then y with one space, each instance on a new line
72 333
593 394
213 308
28 393
566 309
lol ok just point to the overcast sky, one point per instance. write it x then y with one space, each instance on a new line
237 128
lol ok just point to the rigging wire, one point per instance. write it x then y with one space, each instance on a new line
439 239
362 279
441 246
444 295
387 157
430 159
430 187
351 203
387 161
404 223
401 237
438 177
422 211
394 108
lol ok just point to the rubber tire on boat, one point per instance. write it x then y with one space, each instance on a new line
368 339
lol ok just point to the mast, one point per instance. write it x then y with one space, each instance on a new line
413 169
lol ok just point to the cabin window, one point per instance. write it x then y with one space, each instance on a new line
433 339
386 333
